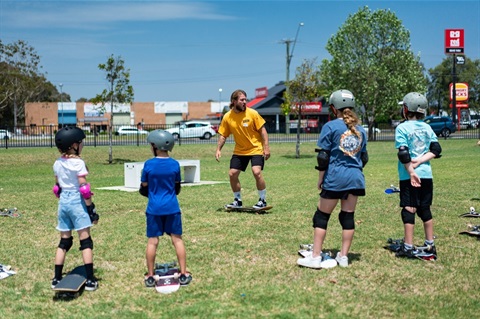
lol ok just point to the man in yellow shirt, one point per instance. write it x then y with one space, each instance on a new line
251 145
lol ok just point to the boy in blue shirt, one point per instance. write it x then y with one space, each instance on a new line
160 182
417 144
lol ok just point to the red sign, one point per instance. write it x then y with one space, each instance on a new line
460 105
454 41
309 107
461 91
261 92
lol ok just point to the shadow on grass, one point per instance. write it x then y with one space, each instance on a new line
301 156
119 161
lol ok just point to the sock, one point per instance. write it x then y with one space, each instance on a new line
262 194
429 243
408 246
237 195
89 271
58 271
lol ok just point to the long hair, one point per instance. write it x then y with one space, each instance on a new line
351 120
235 96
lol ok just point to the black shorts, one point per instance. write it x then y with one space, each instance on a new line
342 194
241 162
416 196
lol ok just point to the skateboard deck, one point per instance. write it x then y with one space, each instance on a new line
392 189
394 245
169 282
249 209
305 250
472 231
471 213
5 271
70 286
10 212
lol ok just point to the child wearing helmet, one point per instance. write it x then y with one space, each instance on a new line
76 210
417 144
341 156
160 182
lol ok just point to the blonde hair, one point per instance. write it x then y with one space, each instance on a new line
235 96
351 120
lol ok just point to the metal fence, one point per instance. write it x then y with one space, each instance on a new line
44 136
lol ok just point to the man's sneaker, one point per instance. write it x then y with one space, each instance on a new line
91 284
185 279
261 204
322 261
407 253
235 204
55 282
342 260
149 281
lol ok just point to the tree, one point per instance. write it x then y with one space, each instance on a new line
305 87
441 77
20 80
119 91
371 56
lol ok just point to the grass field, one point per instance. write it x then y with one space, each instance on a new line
243 265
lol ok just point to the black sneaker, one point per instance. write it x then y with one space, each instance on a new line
55 282
149 282
261 204
185 279
405 252
235 204
91 284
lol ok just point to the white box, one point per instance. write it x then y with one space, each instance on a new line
133 174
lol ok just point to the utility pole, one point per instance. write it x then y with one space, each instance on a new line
61 99
289 59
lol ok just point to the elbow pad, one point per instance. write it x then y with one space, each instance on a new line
85 191
57 190
178 187
143 190
404 155
436 149
364 158
323 159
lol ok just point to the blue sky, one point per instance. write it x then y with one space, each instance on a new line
188 50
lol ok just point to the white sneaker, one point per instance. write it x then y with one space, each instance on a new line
322 261
342 260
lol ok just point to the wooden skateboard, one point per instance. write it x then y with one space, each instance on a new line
472 231
421 252
71 285
471 213
169 282
10 212
249 209
305 250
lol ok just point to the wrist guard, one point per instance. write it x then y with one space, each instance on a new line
57 190
92 213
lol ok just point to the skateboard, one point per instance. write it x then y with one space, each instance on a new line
71 285
249 209
472 231
305 250
168 282
392 189
471 213
5 271
421 252
10 212
162 269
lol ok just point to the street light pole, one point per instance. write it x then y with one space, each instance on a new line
61 99
220 99
289 59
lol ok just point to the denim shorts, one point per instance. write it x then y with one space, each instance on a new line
72 212
159 224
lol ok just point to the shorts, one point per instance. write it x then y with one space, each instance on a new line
240 162
159 224
342 194
416 196
72 212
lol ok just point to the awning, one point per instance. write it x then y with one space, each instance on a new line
255 101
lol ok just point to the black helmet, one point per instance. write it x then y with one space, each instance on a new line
67 136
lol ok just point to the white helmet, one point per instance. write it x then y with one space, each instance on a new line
415 102
162 140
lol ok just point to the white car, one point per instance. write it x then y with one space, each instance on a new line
130 130
4 134
200 129
365 126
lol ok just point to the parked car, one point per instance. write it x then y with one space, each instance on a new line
441 125
200 129
5 135
130 130
376 130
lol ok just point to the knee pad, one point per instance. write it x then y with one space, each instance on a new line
86 243
407 217
66 243
320 219
346 220
424 213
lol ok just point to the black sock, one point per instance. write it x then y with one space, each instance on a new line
89 271
58 271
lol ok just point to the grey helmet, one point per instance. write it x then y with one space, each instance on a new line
163 140
415 102
342 99
68 135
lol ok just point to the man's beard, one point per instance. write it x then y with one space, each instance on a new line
239 108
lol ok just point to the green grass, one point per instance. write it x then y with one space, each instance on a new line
243 265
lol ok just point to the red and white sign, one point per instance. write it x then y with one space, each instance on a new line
309 107
261 92
461 91
454 41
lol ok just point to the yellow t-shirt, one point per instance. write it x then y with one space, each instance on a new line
245 127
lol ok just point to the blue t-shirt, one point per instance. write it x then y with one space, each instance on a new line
417 136
161 175
344 170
